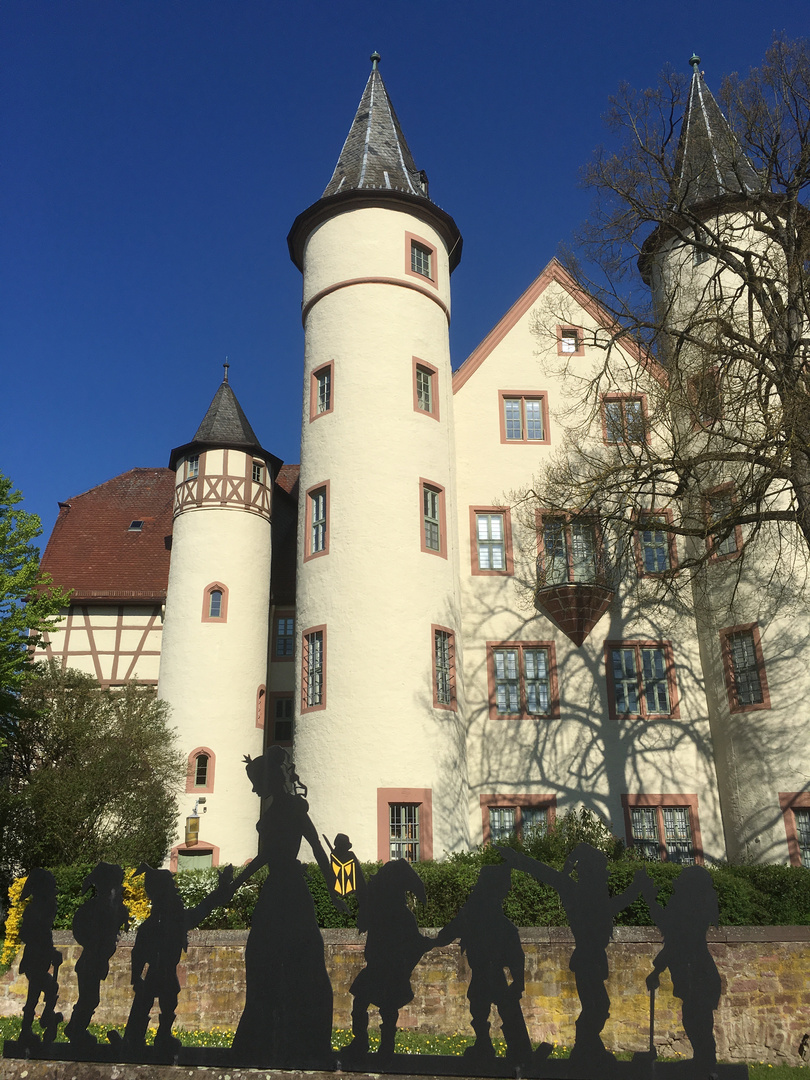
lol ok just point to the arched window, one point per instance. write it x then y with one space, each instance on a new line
200 771
215 603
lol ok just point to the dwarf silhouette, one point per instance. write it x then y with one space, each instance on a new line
394 946
39 957
492 944
691 910
96 926
160 942
590 909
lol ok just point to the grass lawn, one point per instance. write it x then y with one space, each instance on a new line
408 1042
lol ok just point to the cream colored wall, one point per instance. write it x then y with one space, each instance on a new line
376 591
756 750
88 638
583 757
211 671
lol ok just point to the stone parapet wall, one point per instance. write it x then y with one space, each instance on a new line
763 1016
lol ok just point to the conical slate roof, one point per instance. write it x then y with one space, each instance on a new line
710 162
375 155
225 424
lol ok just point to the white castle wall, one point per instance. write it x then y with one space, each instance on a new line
376 591
211 671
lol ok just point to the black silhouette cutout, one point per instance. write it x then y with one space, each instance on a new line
492 944
287 1018
394 947
39 957
590 910
160 942
96 926
691 910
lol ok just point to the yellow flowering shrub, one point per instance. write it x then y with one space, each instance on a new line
137 902
16 907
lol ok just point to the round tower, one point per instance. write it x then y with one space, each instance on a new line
379 734
213 665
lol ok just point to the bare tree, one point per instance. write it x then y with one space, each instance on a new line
697 251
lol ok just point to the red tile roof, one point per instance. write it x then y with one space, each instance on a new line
288 478
92 551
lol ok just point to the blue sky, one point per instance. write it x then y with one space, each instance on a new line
156 153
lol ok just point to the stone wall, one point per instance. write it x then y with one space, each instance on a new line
764 1011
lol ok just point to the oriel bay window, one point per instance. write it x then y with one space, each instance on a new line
522 679
570 550
641 679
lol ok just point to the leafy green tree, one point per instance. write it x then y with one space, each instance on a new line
27 602
91 774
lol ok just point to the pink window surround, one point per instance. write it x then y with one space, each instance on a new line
690 802
200 847
451 705
191 772
410 239
519 802
431 486
624 441
305 659
313 391
421 797
553 688
506 514
434 388
723 491
541 516
672 682
705 390
261 705
644 522
308 552
282 613
580 349
524 396
788 802
728 668
215 586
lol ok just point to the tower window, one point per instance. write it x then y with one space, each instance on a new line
313 670
193 467
744 668
317 521
285 643
258 472
283 720
434 531
215 603
321 391
425 389
421 258
444 668
200 771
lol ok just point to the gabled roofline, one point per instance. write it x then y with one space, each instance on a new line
553 271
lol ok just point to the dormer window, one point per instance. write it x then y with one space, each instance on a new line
135 526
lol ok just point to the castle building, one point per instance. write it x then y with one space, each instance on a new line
446 672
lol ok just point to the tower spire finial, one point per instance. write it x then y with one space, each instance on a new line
226 365
375 59
694 60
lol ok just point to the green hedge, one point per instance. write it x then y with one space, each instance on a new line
748 895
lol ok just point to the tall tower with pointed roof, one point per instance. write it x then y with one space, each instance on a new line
379 733
213 665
